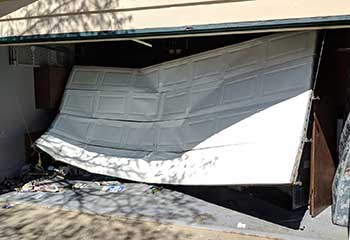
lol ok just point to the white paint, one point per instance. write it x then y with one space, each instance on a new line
258 150
233 115
16 96
241 225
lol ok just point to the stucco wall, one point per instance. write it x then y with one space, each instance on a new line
16 96
79 16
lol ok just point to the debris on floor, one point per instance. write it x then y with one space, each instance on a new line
107 183
43 184
154 189
80 185
7 206
56 179
113 188
241 225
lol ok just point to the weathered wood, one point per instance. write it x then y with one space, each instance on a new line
322 171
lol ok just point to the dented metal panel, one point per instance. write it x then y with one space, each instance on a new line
226 103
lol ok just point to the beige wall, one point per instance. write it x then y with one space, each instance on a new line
16 98
58 16
9 6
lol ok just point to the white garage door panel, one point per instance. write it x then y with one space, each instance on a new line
227 116
298 47
255 152
275 82
175 75
125 78
85 79
144 106
171 135
78 102
71 127
110 105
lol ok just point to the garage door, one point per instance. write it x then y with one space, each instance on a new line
234 115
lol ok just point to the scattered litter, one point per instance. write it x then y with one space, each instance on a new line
154 189
54 178
40 186
113 188
47 188
107 183
7 206
79 186
62 171
28 187
241 225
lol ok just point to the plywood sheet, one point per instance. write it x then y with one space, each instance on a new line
322 171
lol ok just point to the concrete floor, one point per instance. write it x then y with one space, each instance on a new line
169 206
29 221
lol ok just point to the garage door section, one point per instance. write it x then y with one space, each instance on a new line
234 115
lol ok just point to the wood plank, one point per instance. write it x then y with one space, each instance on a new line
322 171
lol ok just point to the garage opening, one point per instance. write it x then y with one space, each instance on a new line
249 128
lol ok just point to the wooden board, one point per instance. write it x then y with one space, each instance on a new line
321 171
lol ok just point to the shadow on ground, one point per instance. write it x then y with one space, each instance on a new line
32 222
259 202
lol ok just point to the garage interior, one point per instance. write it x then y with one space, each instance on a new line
43 71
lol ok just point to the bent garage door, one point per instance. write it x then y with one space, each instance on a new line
234 115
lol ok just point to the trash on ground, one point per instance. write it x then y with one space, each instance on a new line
154 189
7 206
28 187
53 178
113 188
47 188
61 171
107 183
69 171
80 186
45 185
241 225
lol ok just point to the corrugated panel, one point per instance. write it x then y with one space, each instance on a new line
230 104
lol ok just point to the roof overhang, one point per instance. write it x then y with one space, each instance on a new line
46 21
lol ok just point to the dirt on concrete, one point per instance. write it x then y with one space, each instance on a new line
24 221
